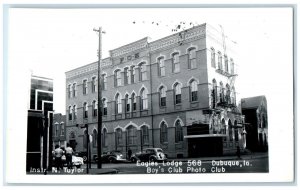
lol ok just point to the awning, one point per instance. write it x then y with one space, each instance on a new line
204 135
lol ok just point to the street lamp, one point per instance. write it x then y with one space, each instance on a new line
99 147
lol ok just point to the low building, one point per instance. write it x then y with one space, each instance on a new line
256 120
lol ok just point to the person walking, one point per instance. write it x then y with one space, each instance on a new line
58 153
69 153
129 153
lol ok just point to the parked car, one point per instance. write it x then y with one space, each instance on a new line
111 157
149 154
77 161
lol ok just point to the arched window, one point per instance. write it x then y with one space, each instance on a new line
221 92
74 89
233 98
131 135
230 128
213 57
95 108
133 100
214 94
104 82
126 76
192 64
118 137
220 61
132 73
95 138
144 98
193 91
226 63
86 108
178 132
223 127
94 84
143 71
104 139
75 112
127 102
118 79
228 93
161 67
118 104
175 62
104 104
85 86
162 94
70 112
163 132
145 134
177 92
69 91
232 66
62 129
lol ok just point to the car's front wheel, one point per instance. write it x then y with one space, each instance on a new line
111 160
152 159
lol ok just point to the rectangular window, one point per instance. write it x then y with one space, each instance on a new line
213 58
119 79
143 72
194 96
177 98
163 101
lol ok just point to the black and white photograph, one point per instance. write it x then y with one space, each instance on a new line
187 94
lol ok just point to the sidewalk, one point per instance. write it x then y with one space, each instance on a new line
246 156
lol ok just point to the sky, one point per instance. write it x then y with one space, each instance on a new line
49 42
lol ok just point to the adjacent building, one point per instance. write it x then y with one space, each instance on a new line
256 120
177 93
39 125
58 130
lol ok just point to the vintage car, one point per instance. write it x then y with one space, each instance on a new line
111 157
149 154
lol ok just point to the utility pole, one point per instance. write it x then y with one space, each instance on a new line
99 137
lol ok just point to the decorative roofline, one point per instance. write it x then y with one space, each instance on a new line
137 45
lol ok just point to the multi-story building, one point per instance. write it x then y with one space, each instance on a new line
39 124
59 130
176 93
256 120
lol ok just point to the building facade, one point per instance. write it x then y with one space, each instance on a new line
256 120
176 93
39 123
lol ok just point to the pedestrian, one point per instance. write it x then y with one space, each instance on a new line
58 153
129 153
69 153
238 152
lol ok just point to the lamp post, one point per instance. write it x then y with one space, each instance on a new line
99 147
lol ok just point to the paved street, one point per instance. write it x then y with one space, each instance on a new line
246 164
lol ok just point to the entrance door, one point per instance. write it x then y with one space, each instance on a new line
200 147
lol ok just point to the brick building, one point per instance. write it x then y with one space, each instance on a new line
256 119
59 130
176 93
